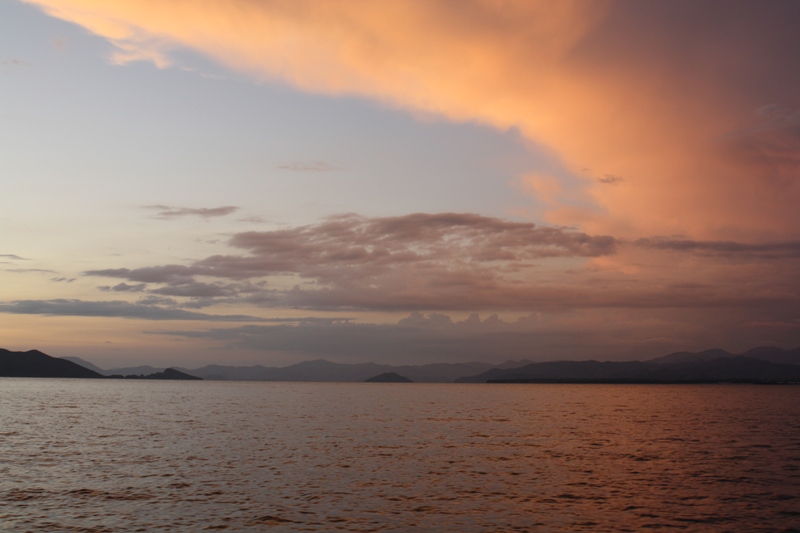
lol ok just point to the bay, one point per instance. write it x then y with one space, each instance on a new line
122 456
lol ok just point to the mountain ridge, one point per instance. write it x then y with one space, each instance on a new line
766 364
322 370
36 364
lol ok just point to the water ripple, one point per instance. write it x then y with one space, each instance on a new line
103 457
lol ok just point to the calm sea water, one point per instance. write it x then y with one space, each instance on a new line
123 456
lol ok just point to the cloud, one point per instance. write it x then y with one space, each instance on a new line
124 287
610 179
65 280
352 246
445 260
157 300
252 219
31 270
459 261
310 166
767 250
158 274
14 257
196 289
115 308
429 338
645 89
166 212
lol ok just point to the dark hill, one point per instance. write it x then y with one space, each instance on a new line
562 371
763 353
388 377
35 364
715 370
322 370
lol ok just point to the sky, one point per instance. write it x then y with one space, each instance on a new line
407 182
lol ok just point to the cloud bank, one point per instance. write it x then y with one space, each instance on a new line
166 212
114 308
467 262
694 104
427 338
417 261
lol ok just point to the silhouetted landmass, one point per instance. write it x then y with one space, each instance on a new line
35 364
85 364
169 373
766 364
388 377
762 353
327 371
735 369
133 370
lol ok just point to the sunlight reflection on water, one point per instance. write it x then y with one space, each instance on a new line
123 456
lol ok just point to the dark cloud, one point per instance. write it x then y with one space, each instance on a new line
381 242
157 274
124 287
116 308
14 257
196 289
177 281
158 300
610 179
768 250
168 212
518 297
310 166
351 246
446 261
64 280
28 270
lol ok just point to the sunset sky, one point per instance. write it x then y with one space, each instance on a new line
400 181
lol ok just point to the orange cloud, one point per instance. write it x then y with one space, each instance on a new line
650 93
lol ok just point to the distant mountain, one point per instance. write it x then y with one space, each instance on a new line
762 353
720 369
85 364
169 373
593 371
35 364
514 364
326 371
440 372
222 372
388 377
561 370
129 370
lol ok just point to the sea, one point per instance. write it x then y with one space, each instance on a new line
96 456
